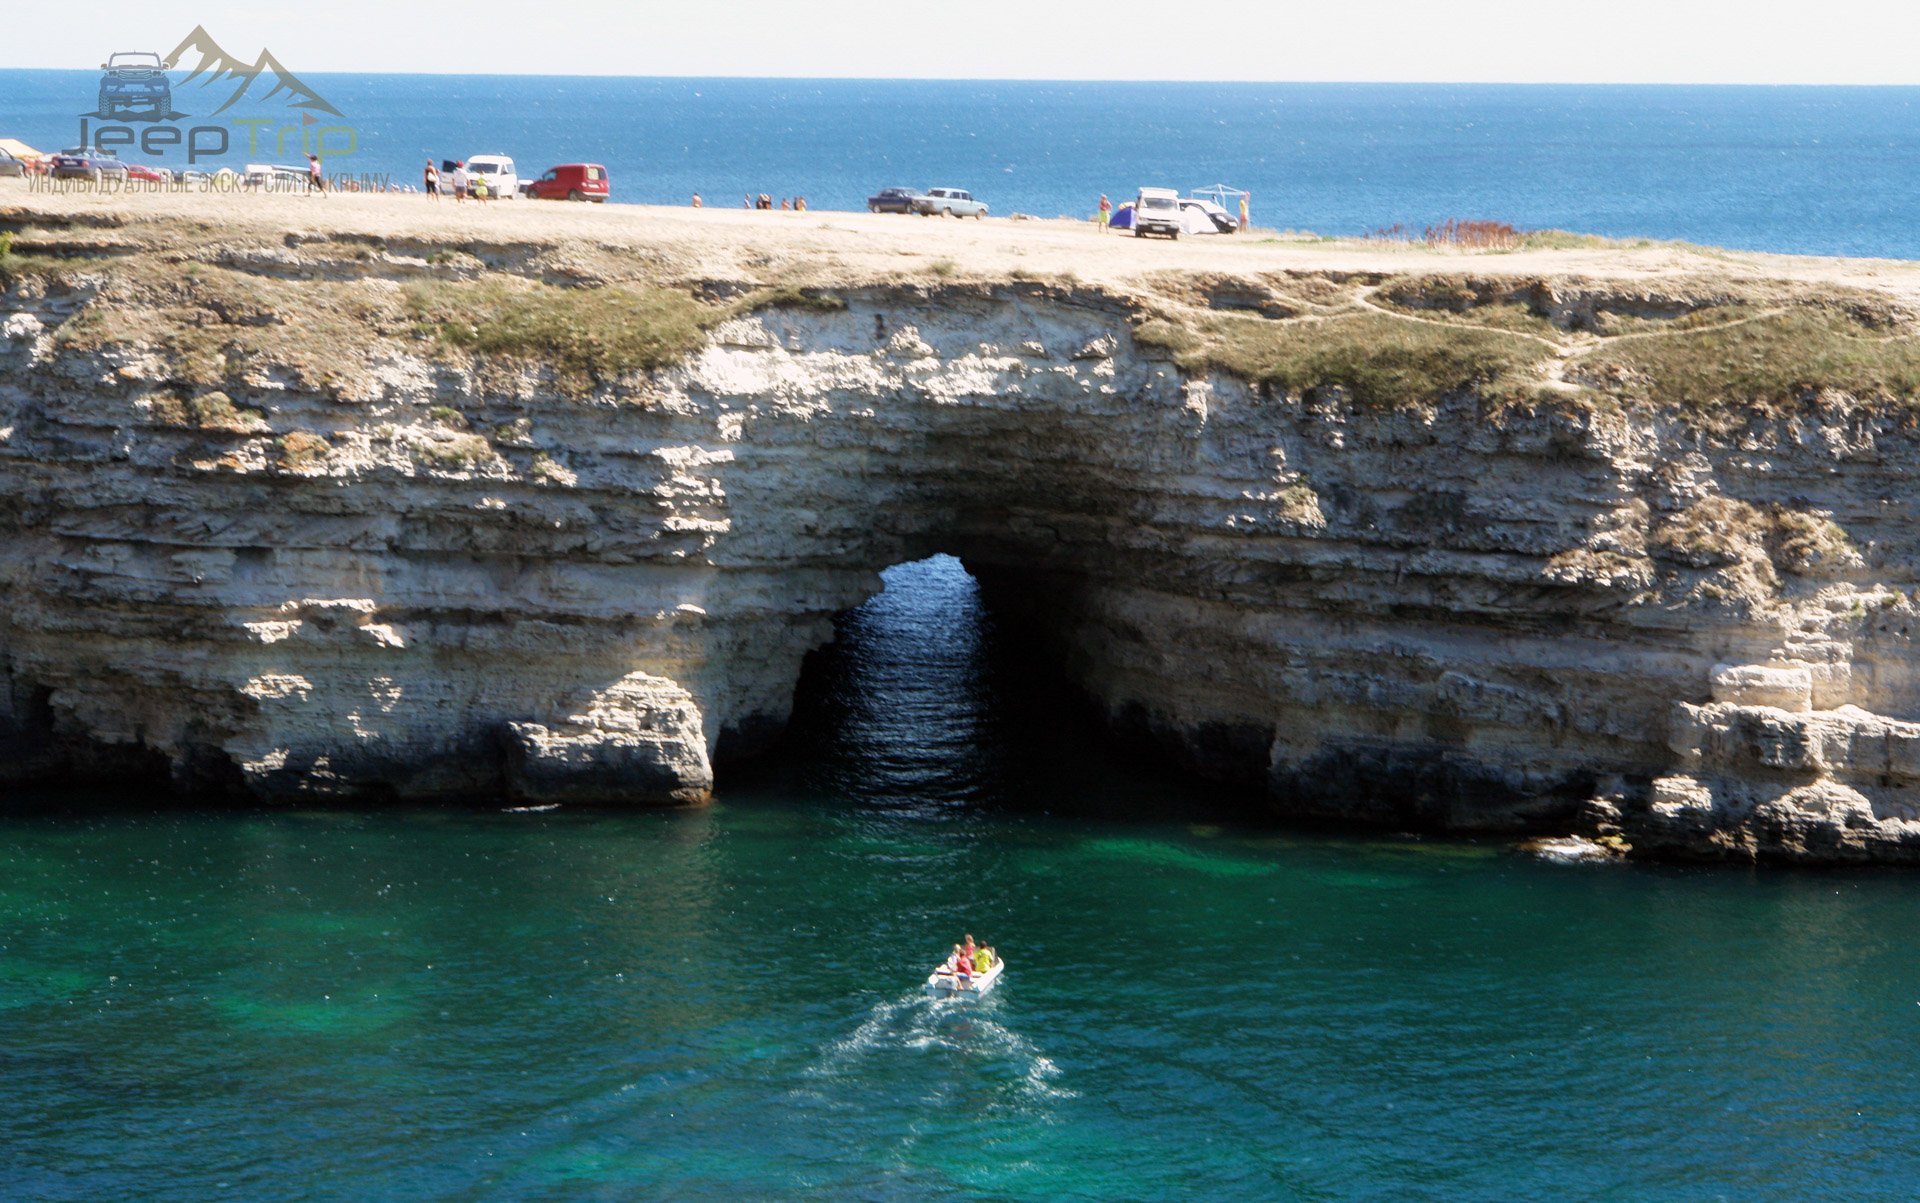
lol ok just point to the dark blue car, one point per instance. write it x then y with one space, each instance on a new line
135 86
86 163
893 200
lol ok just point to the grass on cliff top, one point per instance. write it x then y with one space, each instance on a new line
214 326
1764 365
15 264
1378 360
584 334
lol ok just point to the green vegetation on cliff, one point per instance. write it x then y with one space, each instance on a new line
586 335
1378 359
1762 365
1712 350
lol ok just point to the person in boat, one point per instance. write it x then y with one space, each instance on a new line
960 962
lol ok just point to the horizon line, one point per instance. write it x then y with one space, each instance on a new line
1029 79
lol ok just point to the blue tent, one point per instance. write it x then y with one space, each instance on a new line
1122 218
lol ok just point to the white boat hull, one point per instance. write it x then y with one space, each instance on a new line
940 981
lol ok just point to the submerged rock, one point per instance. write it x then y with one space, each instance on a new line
1575 849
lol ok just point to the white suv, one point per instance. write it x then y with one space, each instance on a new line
1156 211
503 182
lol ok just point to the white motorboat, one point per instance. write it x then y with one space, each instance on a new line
945 980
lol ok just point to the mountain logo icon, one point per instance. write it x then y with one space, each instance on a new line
219 67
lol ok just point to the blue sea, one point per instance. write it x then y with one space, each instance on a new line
1824 170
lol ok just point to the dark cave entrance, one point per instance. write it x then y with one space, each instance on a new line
927 700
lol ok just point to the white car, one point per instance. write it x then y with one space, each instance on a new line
953 202
503 182
271 177
1204 217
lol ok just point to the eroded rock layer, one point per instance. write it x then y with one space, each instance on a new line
275 523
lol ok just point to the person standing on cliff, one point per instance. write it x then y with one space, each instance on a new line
1243 212
316 182
696 200
431 181
1106 212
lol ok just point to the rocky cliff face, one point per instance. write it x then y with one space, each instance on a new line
333 519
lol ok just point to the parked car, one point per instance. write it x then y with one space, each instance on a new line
503 181
893 200
10 166
135 85
1156 211
271 177
572 181
953 202
1212 215
86 163
152 175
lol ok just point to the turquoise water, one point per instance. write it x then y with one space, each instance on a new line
724 1002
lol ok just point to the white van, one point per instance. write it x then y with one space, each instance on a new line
1156 211
503 182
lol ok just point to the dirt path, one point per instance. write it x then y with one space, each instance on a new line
851 247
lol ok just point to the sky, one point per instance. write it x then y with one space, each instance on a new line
1522 41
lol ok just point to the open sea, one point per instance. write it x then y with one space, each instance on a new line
1822 170
406 1003
727 1003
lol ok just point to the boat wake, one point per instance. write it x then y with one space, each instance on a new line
943 1050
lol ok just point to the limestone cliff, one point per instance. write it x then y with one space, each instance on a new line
338 514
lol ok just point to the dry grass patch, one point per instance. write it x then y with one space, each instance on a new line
1711 533
455 454
1380 361
1716 532
1812 544
1764 367
301 451
213 325
550 471
209 411
790 296
17 265
587 335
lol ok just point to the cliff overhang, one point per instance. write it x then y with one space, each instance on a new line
1466 545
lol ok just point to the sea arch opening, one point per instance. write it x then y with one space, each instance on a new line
932 700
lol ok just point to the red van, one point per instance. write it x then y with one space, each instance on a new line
571 181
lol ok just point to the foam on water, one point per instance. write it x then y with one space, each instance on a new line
918 1023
